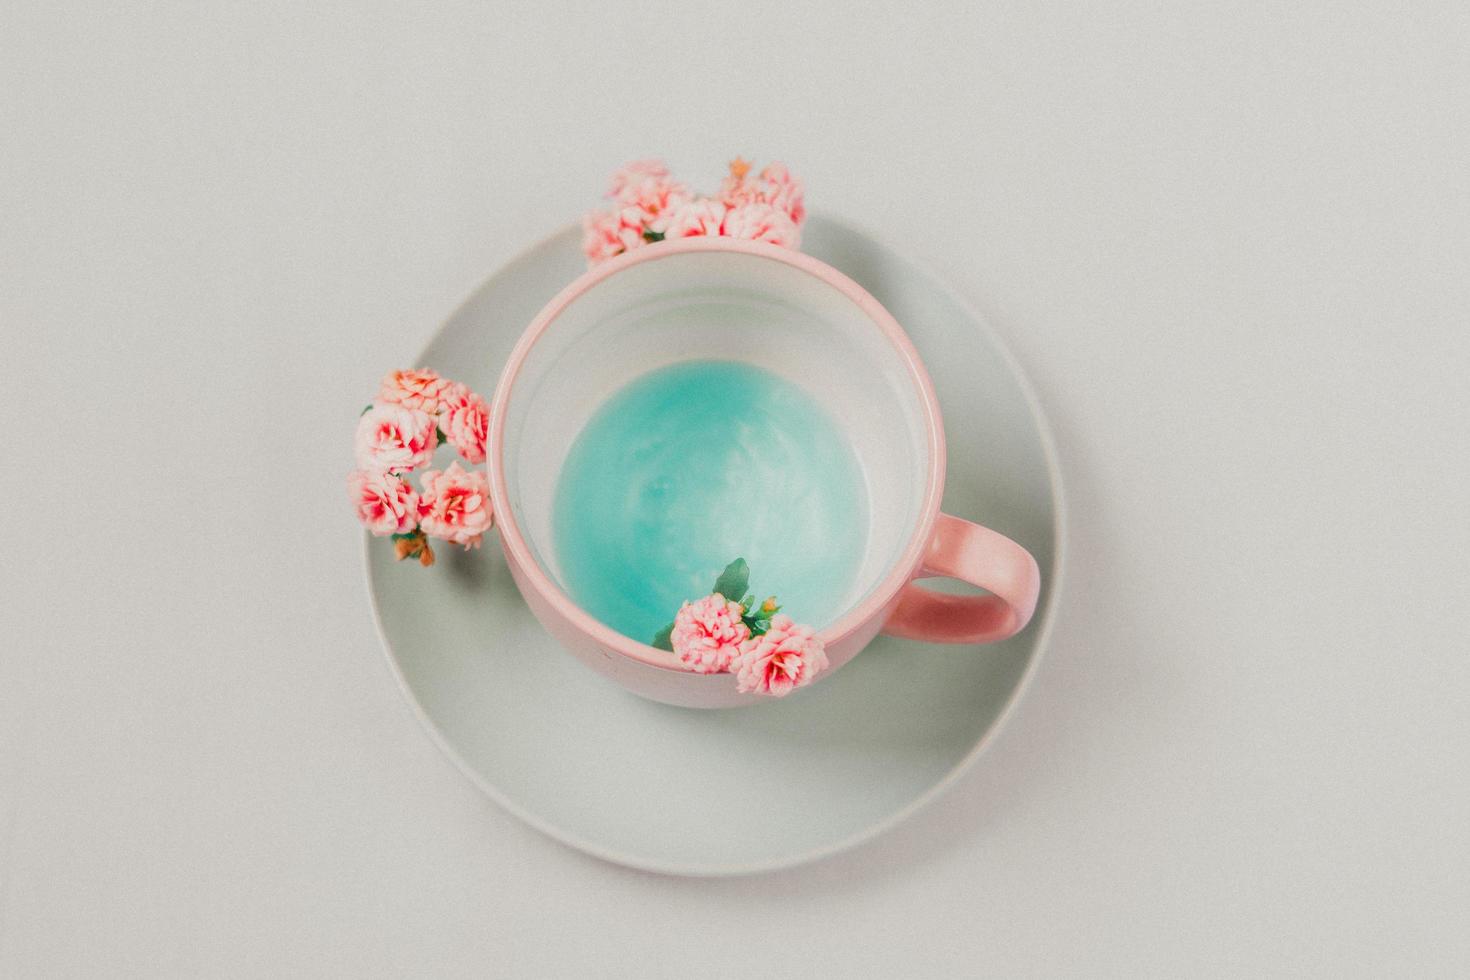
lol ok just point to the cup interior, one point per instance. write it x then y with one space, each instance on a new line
715 305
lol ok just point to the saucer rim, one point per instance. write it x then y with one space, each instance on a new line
1044 620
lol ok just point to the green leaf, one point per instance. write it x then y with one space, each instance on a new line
364 411
653 236
442 438
662 640
407 537
733 580
748 602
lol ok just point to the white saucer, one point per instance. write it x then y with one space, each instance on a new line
754 789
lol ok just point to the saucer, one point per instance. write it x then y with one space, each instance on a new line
697 792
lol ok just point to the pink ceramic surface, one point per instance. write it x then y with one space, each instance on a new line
806 321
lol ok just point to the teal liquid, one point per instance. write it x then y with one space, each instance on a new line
692 466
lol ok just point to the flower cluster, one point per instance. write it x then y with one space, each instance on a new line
415 413
766 651
650 206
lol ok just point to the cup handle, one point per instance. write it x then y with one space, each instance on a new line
966 551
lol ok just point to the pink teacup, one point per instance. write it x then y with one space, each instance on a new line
803 320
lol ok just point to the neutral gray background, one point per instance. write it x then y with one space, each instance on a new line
1227 241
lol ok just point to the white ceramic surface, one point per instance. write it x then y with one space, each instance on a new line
699 793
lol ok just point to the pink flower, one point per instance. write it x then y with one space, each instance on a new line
762 222
394 439
609 233
419 389
735 189
707 634
781 190
385 503
646 197
702 216
654 203
788 656
774 186
768 207
455 505
454 393
630 175
465 420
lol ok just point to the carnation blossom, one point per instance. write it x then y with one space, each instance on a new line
454 393
385 503
786 657
701 216
653 203
609 233
758 221
708 632
454 505
774 186
648 204
627 178
465 421
646 195
781 190
735 189
419 389
394 439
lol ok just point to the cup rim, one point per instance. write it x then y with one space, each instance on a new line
514 542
